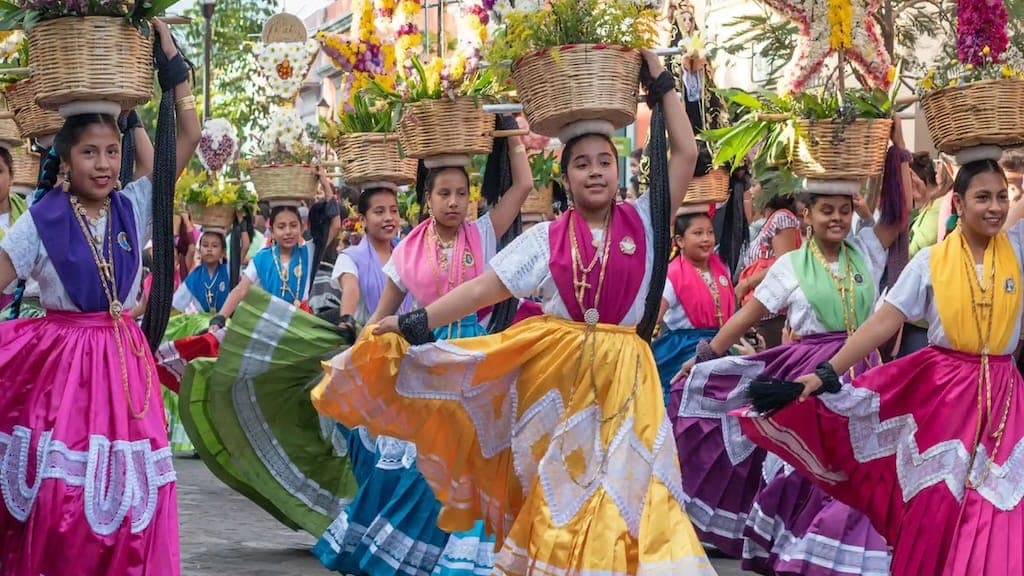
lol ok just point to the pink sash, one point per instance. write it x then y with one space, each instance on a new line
695 296
413 257
627 257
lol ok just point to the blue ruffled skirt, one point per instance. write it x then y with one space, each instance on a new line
672 350
390 527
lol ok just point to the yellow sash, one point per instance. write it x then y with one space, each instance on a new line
950 283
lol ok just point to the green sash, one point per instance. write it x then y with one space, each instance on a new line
821 290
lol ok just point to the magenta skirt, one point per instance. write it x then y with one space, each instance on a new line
897 443
87 488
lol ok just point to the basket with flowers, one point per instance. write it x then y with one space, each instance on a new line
367 146
831 132
283 170
576 60
212 200
72 44
32 121
977 97
439 100
368 53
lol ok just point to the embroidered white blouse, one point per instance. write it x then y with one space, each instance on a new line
28 254
523 267
780 288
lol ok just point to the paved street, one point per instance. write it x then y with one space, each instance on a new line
223 534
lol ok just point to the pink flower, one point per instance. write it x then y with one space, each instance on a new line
980 23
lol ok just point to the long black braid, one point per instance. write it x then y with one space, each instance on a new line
170 72
496 181
661 208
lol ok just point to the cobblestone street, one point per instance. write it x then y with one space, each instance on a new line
223 534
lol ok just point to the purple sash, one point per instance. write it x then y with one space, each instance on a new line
69 251
627 257
371 274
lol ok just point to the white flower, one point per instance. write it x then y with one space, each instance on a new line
285 80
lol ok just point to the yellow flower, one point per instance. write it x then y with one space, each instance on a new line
986 50
1006 71
840 16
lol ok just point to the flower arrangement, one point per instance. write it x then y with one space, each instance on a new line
544 167
199 189
284 65
531 27
284 142
26 13
983 51
847 28
369 54
408 38
218 144
13 54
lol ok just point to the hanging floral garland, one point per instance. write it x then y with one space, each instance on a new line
285 65
369 52
408 39
820 38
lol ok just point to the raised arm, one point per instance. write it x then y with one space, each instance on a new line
503 214
888 233
184 103
480 292
681 140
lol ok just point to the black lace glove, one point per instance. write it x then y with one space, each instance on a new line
218 321
414 327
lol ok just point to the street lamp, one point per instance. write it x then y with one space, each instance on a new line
324 110
208 8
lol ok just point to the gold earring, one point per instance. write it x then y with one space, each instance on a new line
117 184
810 230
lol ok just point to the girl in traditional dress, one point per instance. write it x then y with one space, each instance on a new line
363 538
206 288
88 485
698 296
928 446
441 253
829 286
552 431
284 270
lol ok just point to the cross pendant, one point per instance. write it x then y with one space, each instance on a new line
581 288
105 270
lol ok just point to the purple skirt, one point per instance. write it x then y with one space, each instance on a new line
722 469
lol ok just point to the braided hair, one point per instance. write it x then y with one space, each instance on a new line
497 179
661 208
165 164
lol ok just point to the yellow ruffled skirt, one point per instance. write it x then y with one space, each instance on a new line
554 434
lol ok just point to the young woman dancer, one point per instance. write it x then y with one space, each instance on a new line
571 467
89 485
928 446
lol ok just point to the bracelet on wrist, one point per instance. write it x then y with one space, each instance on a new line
705 352
829 378
415 328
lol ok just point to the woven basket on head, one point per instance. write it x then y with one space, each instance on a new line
711 188
374 158
9 135
837 151
216 216
979 113
26 167
431 128
285 182
72 56
539 201
567 84
32 121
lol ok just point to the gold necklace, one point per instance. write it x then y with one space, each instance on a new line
282 273
843 285
591 318
109 283
590 315
978 306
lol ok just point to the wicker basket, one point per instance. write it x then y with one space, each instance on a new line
32 121
986 112
431 128
839 151
9 135
26 167
577 82
539 201
216 216
291 182
711 188
72 56
374 158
